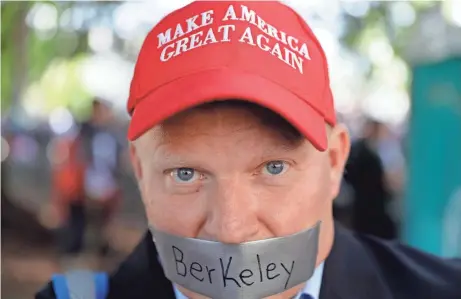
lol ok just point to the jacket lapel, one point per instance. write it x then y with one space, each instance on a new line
350 271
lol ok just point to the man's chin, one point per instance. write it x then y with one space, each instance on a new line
291 293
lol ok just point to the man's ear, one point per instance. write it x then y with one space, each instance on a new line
135 162
338 150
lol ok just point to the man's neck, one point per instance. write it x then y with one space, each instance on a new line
326 239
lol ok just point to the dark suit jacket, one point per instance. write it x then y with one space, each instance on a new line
358 267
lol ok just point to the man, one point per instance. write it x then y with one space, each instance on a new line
239 197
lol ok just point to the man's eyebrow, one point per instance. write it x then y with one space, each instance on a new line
166 158
278 148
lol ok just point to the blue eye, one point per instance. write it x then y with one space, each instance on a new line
184 175
275 167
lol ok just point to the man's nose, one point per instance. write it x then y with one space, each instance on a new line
232 216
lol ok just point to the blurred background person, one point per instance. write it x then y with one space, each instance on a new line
68 194
366 175
86 179
102 148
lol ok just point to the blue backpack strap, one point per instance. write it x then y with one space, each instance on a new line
81 284
60 286
101 281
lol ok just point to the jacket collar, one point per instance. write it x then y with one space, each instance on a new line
351 271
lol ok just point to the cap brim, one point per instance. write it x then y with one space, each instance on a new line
221 84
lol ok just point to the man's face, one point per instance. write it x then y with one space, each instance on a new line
222 175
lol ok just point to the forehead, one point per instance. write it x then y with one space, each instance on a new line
217 120
223 126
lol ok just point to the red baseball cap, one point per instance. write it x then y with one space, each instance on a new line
261 52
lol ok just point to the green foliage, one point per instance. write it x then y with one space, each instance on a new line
377 25
377 22
40 50
11 13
